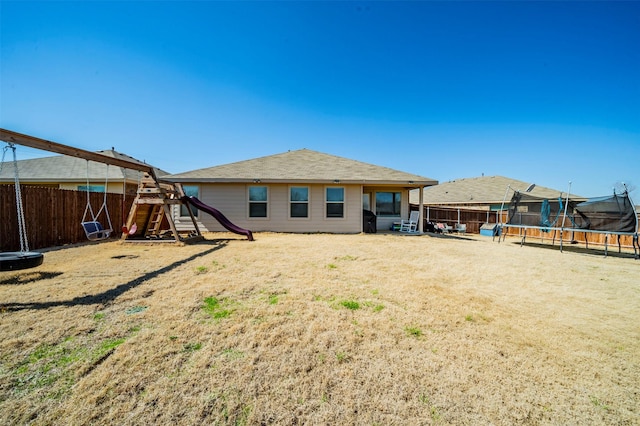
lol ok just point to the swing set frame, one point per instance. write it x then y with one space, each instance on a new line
151 179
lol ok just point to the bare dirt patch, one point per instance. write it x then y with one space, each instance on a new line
321 329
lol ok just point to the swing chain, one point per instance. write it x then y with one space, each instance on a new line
88 208
103 207
104 199
22 229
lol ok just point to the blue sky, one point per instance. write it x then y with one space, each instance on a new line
544 92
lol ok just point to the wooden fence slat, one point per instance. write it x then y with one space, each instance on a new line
52 216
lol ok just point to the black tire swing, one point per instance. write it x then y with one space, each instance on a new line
23 259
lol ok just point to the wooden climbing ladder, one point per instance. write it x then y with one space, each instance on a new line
155 220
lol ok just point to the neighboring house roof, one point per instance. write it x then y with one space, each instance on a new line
64 168
482 190
303 165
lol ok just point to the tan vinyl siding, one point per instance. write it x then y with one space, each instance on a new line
232 200
229 199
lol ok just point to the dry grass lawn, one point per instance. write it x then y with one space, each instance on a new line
321 330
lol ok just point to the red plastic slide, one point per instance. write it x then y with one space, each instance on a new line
218 216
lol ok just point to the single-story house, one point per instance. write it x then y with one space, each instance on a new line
482 193
73 173
469 196
299 191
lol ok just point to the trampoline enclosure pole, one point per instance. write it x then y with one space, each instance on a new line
564 215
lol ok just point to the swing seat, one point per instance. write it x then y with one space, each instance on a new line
95 231
11 261
132 231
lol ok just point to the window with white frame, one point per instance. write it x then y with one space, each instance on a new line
189 191
299 201
258 201
334 199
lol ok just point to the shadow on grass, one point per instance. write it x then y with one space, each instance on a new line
572 248
448 236
112 294
29 277
125 256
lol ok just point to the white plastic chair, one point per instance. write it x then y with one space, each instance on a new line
461 228
410 225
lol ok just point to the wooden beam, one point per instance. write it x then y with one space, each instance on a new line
156 201
45 145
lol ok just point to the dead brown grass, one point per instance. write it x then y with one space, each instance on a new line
321 329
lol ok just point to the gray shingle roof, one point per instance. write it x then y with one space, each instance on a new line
302 165
63 168
481 190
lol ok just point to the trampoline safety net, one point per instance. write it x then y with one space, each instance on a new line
528 210
615 213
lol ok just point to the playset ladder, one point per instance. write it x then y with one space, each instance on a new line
156 216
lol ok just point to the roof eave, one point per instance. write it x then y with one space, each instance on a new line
404 183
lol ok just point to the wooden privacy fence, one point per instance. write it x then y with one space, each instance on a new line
53 216
474 219
570 236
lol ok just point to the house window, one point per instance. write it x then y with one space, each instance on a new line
91 188
388 203
299 201
258 199
190 191
335 201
